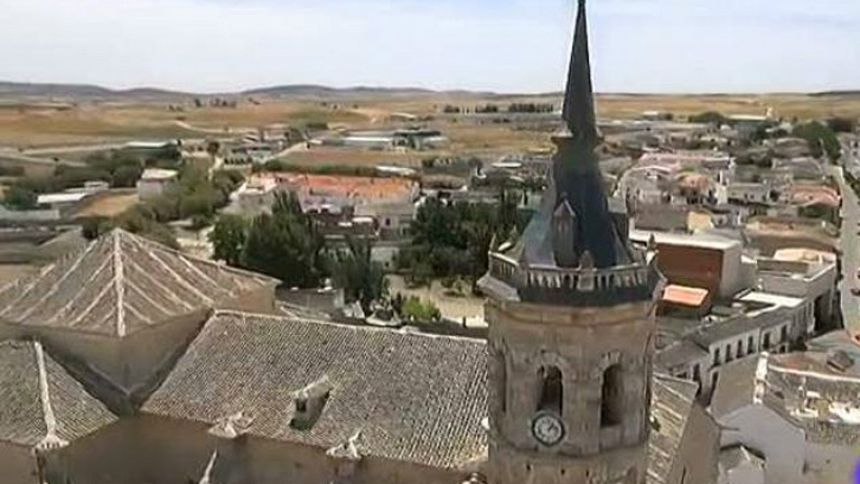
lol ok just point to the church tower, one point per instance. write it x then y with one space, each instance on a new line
571 314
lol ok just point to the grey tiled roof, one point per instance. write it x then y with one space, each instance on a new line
671 402
119 284
679 353
414 397
39 399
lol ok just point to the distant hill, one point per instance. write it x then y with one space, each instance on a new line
78 91
317 91
85 91
837 93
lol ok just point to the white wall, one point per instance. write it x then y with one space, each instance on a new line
746 473
760 429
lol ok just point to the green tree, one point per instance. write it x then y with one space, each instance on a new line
416 310
20 197
286 245
821 139
94 227
709 117
842 125
228 238
362 279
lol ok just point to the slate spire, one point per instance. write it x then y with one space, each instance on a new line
578 109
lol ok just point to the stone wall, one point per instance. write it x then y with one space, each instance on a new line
698 451
17 465
149 449
582 343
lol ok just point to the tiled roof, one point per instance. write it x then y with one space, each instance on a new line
684 295
738 325
119 284
413 397
800 388
42 405
671 402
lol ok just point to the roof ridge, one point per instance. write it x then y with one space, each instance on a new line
118 281
354 327
51 440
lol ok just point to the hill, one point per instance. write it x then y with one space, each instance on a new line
18 90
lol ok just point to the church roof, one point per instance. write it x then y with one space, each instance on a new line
119 284
671 403
408 396
413 397
42 404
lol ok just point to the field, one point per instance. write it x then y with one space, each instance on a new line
61 124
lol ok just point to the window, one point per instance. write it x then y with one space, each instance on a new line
766 344
714 378
751 345
552 390
728 352
717 357
740 352
611 406
783 334
697 372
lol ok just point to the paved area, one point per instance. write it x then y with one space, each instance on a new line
850 243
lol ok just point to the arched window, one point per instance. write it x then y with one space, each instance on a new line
552 389
611 406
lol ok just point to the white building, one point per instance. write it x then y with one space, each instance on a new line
798 412
154 182
749 193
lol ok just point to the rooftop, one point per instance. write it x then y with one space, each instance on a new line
684 295
119 284
704 241
43 406
723 329
353 187
413 397
63 197
158 174
408 396
801 388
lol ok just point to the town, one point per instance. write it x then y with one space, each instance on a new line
312 285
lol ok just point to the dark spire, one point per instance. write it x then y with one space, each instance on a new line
578 110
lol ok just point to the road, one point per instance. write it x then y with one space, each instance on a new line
849 243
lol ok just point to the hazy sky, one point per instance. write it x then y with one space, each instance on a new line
500 45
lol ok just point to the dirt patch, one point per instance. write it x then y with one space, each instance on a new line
109 205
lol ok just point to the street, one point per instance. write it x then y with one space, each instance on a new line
849 243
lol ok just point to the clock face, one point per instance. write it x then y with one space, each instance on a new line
548 429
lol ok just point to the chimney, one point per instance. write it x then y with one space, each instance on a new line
309 403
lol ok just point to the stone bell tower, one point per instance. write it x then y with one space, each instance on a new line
571 313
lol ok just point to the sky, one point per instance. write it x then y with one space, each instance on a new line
510 46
